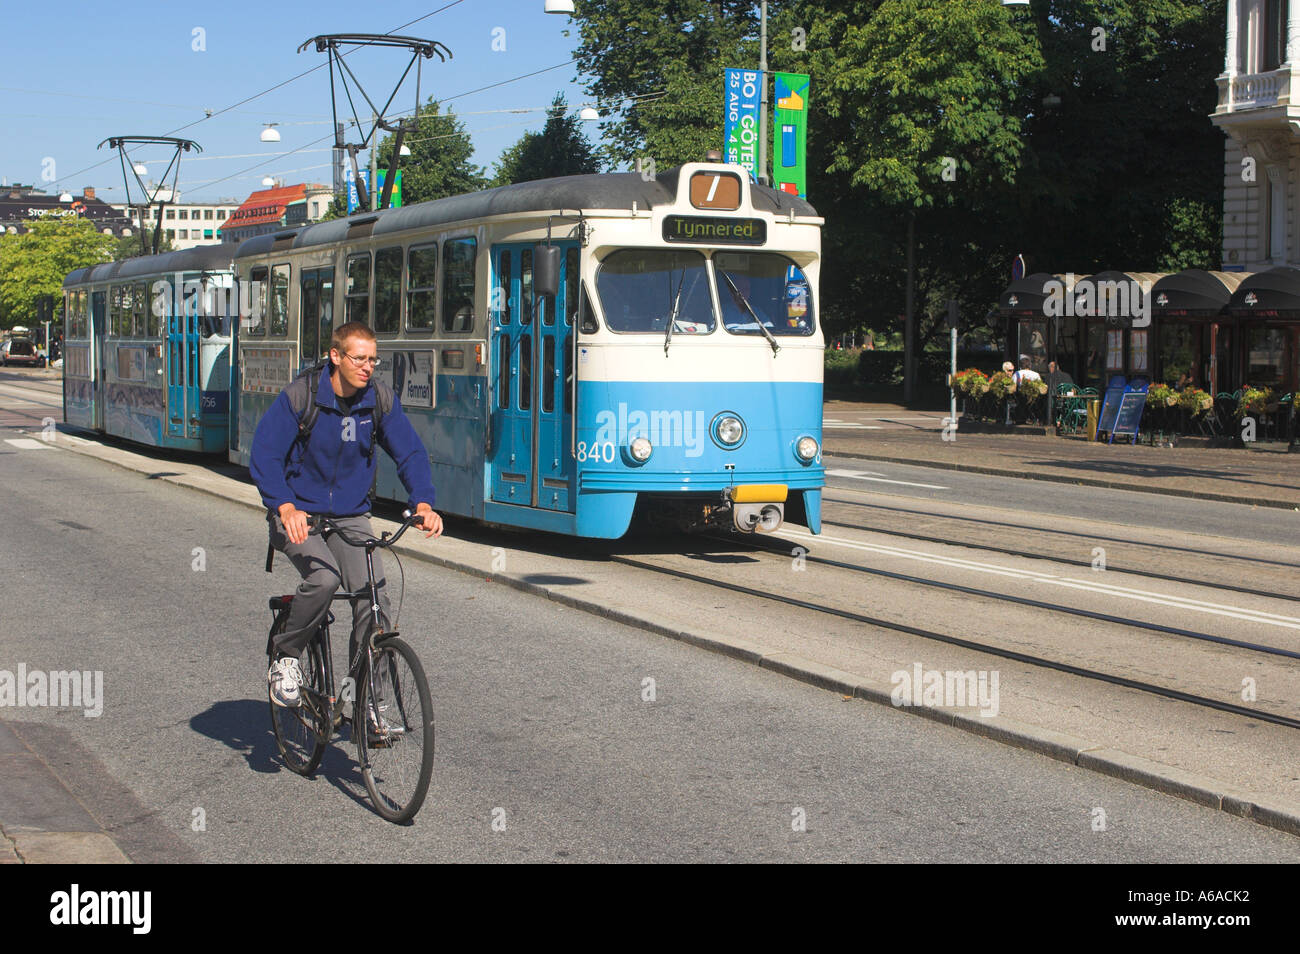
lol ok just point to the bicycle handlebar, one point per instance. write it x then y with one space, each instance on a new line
318 524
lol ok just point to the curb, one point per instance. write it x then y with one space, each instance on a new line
1268 811
1063 479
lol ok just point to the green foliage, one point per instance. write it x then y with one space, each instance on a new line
560 149
1080 158
439 163
338 207
36 263
656 69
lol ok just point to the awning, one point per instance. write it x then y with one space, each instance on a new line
1194 293
1026 296
1271 294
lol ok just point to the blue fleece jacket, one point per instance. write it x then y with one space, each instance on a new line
330 475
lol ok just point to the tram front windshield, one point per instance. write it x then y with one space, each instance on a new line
639 288
762 286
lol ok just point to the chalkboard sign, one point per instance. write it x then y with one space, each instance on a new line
1130 414
1109 410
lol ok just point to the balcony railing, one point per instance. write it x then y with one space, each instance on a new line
1254 90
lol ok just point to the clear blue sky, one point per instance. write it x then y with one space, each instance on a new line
73 73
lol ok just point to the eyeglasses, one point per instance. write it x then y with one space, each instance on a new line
361 361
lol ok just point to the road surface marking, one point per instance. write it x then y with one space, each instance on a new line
876 478
26 443
1106 589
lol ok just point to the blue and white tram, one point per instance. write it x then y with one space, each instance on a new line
571 347
147 348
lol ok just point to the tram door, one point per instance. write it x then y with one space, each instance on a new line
176 367
316 299
98 319
532 411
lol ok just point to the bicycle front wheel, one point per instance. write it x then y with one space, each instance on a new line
394 731
300 732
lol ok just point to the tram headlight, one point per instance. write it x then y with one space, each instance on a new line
806 449
640 450
728 430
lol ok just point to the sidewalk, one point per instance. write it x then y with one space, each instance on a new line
1263 475
44 823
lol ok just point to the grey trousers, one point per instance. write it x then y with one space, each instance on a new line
326 562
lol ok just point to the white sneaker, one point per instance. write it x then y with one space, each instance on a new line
285 677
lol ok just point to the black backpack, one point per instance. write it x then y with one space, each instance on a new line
302 398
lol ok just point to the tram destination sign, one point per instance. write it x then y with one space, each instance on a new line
714 230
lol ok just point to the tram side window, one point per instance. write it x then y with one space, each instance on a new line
570 285
458 284
388 290
120 311
501 294
146 323
503 372
526 286
280 301
421 284
254 325
358 288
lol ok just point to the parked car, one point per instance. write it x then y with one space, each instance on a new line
21 351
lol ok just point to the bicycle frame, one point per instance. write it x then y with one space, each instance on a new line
325 704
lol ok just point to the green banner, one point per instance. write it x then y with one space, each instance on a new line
790 134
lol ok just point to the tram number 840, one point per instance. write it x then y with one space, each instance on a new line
596 452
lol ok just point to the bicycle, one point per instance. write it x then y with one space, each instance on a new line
385 681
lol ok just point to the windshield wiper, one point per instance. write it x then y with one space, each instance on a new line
744 302
672 318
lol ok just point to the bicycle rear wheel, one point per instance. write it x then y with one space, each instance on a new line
300 732
397 754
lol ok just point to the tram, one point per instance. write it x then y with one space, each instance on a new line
569 350
147 348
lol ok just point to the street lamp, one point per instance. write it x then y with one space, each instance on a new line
588 114
405 150
140 168
65 197
559 6
268 181
270 133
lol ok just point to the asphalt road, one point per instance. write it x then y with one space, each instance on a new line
1204 518
544 725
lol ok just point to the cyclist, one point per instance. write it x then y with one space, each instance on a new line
329 471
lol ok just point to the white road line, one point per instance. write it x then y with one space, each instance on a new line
1105 589
876 478
26 443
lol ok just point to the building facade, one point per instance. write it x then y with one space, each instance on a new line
186 224
20 204
270 210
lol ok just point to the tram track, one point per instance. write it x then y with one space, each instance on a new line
1111 567
1037 661
906 513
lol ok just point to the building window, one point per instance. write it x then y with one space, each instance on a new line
207 233
171 213
1275 215
171 233
1273 51
184 214
207 213
185 233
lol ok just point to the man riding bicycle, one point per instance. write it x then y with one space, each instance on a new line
327 469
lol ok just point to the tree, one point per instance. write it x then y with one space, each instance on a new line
439 163
656 66
560 149
35 263
1077 130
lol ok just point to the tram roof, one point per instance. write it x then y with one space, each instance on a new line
617 190
197 259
